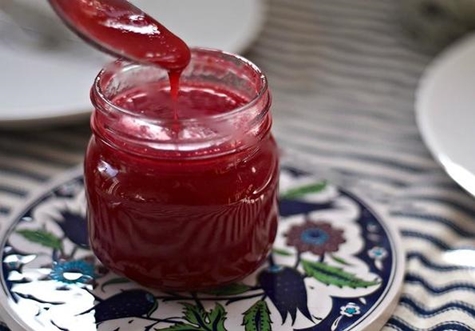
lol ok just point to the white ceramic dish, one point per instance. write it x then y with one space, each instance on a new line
43 85
340 259
445 110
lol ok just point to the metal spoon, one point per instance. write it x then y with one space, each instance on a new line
121 29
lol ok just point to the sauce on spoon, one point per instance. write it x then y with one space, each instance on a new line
120 28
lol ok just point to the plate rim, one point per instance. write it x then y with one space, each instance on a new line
7 314
380 316
374 322
421 94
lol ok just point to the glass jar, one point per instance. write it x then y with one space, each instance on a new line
182 199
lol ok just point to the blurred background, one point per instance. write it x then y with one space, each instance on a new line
375 95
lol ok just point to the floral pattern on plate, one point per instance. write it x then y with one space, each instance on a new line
335 266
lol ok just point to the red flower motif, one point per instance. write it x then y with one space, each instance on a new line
317 237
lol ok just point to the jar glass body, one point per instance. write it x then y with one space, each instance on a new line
182 203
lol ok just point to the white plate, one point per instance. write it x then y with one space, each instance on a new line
445 107
341 259
40 85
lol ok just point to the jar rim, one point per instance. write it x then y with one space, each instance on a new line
260 93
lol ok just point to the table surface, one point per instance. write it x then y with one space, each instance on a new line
343 75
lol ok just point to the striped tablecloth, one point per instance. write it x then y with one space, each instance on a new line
343 75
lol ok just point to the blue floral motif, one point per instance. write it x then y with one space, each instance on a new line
314 236
377 253
350 309
285 280
74 226
318 237
73 272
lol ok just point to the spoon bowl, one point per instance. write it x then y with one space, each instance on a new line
121 29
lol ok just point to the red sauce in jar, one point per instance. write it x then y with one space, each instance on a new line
181 179
178 212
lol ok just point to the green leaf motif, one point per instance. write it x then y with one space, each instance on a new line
42 237
180 327
217 316
232 289
194 314
303 190
340 260
330 275
281 252
200 320
257 318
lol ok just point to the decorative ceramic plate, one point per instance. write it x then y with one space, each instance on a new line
446 113
336 265
47 71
